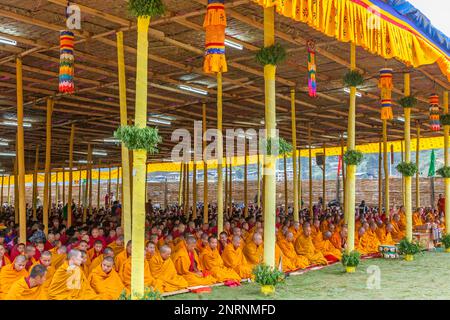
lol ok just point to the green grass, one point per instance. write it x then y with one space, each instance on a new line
424 278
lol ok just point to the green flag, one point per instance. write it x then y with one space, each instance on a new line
432 169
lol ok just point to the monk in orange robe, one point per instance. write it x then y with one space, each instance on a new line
46 261
398 232
328 249
96 250
187 264
368 240
85 263
117 246
254 250
202 243
122 257
69 281
338 238
287 247
4 259
108 252
163 269
11 273
417 218
234 258
386 237
30 252
304 246
212 262
29 287
105 281
282 262
58 256
295 229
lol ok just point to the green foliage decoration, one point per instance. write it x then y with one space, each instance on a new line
149 294
274 55
407 102
353 79
411 248
267 276
407 169
136 138
353 157
146 8
351 259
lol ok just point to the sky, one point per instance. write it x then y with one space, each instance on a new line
438 11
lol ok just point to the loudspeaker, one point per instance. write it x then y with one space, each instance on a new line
319 159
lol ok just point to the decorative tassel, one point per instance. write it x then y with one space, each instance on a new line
66 62
385 84
434 112
214 24
312 69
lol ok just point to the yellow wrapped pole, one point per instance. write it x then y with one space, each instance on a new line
386 169
343 176
9 190
324 178
98 185
258 186
48 151
294 155
194 190
310 172
380 179
35 176
299 181
69 199
89 159
219 155
56 188
187 190
79 189
184 188
126 176
418 163
109 185
403 178
408 200
1 196
351 169
180 185
139 162
270 161
226 185
245 180
20 155
447 163
86 187
146 182
285 184
230 187
16 192
64 186
205 168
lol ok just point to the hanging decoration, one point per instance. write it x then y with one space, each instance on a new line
312 69
434 112
215 23
385 84
66 62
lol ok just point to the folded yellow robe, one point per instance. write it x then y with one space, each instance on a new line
107 286
305 247
235 259
9 275
212 262
287 247
254 254
164 271
21 291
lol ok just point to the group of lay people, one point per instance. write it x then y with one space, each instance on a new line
94 262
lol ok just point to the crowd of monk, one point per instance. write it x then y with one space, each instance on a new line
92 261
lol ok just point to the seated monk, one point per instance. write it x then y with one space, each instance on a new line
95 251
223 241
305 247
29 287
398 232
4 259
122 257
328 249
254 250
202 243
237 232
163 269
85 263
212 262
118 245
11 273
417 218
368 240
386 237
287 247
30 252
46 261
187 264
233 257
59 256
125 272
108 252
381 229
69 281
105 281
295 229
282 262
339 238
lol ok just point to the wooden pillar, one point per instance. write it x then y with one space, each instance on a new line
219 156
16 192
270 161
403 178
69 199
343 177
230 186
109 185
20 155
299 181
86 187
418 165
245 180
64 186
146 182
194 190
386 169
447 163
285 185
351 169
258 186
324 178
408 198
126 180
227 192
98 185
294 156
205 168
80 183
56 188
48 148
9 190
90 177
310 172
187 190
380 179
166 202
180 185
35 176
1 196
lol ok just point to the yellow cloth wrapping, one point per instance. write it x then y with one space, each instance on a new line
305 247
235 259
349 21
107 286
386 113
165 272
215 16
368 243
9 275
182 265
254 254
70 283
20 291
149 281
212 262
215 63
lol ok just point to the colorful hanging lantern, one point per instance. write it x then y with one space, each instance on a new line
385 84
434 112
312 84
66 62
214 24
